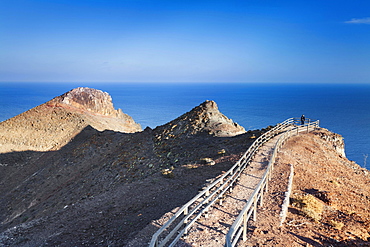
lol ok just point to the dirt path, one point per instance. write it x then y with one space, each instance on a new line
211 230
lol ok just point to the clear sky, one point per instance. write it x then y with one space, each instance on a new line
316 41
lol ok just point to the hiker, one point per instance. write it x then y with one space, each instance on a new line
303 119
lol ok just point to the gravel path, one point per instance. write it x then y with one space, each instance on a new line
211 230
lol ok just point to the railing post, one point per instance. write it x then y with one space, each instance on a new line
272 167
185 213
255 208
245 227
261 199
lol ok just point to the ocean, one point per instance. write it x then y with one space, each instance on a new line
341 108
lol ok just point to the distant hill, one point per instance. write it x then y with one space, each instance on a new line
52 125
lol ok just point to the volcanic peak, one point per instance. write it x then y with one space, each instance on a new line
205 118
52 125
88 99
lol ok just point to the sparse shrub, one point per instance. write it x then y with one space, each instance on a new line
309 206
191 166
208 161
24 219
168 173
335 182
337 225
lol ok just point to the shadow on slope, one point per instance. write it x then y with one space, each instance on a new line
103 187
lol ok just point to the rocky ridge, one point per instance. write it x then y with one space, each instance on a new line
107 188
206 119
102 187
53 124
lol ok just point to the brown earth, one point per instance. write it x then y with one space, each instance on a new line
108 188
103 187
329 203
336 211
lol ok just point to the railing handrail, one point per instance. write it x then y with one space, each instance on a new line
224 184
243 217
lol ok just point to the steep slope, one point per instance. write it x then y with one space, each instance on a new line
52 125
103 187
108 188
205 118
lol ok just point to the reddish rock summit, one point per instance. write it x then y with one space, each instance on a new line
88 99
52 125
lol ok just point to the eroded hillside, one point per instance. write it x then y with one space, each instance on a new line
76 180
103 187
329 204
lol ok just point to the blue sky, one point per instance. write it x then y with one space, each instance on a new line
185 41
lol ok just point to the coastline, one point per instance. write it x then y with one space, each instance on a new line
342 108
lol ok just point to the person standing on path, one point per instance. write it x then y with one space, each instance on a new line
303 119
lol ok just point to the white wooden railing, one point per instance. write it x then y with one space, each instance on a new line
240 225
185 217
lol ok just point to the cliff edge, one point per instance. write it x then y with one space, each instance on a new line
329 200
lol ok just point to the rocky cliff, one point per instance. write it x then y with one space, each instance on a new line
205 118
52 125
88 100
335 140
329 204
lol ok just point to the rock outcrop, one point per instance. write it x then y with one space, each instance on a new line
52 125
88 99
335 140
205 118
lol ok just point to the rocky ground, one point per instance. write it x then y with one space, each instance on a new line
328 204
109 188
104 186
329 201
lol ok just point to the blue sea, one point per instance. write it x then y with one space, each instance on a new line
341 108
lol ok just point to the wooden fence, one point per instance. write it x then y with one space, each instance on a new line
240 225
185 217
